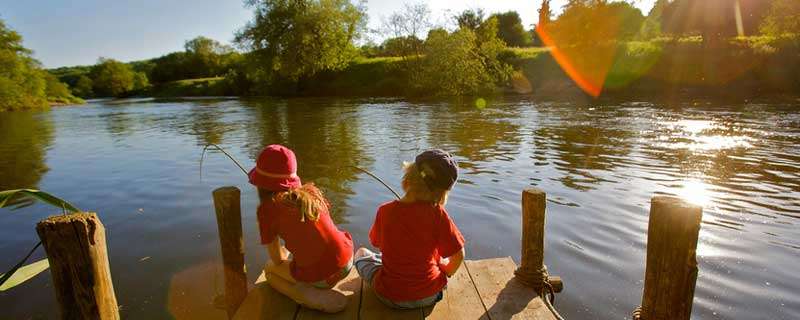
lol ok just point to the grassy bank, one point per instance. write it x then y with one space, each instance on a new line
216 86
745 67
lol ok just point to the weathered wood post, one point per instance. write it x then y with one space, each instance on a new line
229 223
76 249
532 270
671 271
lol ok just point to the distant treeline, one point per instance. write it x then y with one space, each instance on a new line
308 47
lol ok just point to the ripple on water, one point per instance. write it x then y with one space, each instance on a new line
136 163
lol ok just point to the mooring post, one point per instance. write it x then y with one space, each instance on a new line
532 270
671 270
76 249
229 223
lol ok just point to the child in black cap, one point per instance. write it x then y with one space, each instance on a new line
420 246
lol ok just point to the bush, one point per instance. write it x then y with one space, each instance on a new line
463 62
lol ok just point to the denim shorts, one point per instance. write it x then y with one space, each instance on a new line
369 264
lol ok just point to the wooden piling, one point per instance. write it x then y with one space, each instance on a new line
671 271
76 249
531 269
229 223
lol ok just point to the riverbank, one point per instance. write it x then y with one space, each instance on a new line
744 68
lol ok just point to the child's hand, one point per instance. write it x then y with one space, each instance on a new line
443 264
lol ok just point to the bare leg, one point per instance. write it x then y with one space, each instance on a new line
281 270
280 278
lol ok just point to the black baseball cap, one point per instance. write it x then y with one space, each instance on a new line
444 167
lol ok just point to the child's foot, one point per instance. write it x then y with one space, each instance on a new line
325 300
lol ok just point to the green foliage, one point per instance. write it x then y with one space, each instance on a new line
464 62
294 39
593 22
23 274
83 87
7 195
400 47
510 29
21 82
470 19
651 27
718 19
782 18
112 78
140 81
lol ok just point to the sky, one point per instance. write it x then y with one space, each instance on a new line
78 32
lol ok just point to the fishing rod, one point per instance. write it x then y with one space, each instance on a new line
202 156
376 178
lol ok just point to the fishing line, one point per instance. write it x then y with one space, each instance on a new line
202 156
376 178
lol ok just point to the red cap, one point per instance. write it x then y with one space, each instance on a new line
276 169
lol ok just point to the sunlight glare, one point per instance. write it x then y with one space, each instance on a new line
694 191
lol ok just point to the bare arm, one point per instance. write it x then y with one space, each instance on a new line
277 254
451 264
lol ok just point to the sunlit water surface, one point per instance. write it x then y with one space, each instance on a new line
136 164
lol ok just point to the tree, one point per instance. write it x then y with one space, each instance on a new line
21 81
470 19
405 28
53 87
303 37
651 27
140 81
402 47
111 78
545 14
205 56
592 22
719 19
83 87
510 29
783 17
463 62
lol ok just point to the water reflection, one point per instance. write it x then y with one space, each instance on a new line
583 142
477 134
325 138
24 140
599 164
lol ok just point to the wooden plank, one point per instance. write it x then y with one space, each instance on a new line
351 288
461 300
503 295
263 302
372 308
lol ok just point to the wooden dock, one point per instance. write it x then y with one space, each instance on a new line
482 289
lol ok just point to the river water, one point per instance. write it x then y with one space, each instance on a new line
135 162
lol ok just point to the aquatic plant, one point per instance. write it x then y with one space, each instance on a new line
20 272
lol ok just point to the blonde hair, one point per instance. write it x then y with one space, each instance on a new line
415 186
308 200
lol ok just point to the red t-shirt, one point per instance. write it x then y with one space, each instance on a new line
318 248
413 237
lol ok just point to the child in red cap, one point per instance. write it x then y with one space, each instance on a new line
420 246
298 213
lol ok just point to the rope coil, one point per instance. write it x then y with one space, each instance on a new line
637 313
